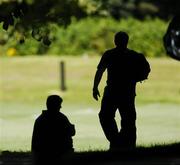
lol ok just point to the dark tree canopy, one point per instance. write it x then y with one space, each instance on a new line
142 8
34 16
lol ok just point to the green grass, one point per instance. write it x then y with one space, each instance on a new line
26 82
159 154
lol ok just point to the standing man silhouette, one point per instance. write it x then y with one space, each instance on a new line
125 68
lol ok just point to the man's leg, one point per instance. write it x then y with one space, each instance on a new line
127 135
107 119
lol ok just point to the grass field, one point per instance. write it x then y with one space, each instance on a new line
25 82
156 155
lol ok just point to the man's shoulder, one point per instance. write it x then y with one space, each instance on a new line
110 51
129 51
134 52
136 55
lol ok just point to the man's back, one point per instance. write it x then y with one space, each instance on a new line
121 65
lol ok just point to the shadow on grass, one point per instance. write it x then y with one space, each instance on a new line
155 155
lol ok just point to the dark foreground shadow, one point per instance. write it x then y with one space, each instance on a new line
159 154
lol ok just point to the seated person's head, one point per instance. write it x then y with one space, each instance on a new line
54 102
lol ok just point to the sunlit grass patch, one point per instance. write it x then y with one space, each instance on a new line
26 82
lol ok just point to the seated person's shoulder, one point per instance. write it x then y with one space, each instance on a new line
64 119
62 116
40 118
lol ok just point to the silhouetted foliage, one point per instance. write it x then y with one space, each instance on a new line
166 8
141 8
33 16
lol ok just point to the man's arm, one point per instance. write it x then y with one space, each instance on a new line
97 80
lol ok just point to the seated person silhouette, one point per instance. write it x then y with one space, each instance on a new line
52 133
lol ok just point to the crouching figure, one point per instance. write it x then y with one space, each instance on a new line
52 133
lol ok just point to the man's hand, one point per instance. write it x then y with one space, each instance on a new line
96 93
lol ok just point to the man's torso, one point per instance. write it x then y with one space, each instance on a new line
119 64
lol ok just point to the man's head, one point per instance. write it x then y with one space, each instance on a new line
121 39
54 102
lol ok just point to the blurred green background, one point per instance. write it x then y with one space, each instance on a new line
92 36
